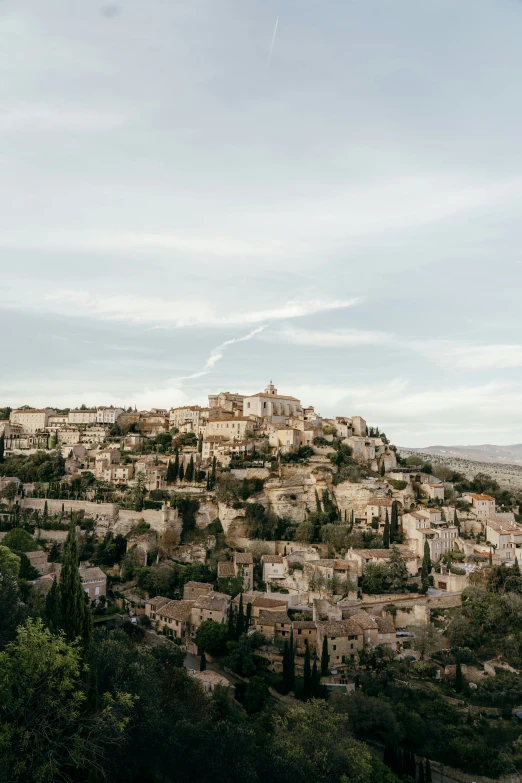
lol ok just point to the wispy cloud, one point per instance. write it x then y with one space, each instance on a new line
158 311
217 353
445 353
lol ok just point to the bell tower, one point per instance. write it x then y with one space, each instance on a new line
271 389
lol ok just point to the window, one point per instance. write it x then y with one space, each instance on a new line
335 647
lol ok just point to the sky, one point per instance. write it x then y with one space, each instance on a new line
190 204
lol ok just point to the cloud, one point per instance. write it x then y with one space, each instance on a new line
336 337
217 353
158 311
45 117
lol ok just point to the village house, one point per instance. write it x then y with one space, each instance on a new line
56 421
506 538
433 491
31 420
38 560
234 428
175 616
361 558
271 405
189 417
226 570
153 605
377 508
108 415
119 474
194 590
226 401
286 439
86 416
274 625
329 570
244 563
211 680
94 582
260 604
483 505
213 606
305 633
274 568
344 638
422 526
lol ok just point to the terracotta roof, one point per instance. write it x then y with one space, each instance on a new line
338 564
199 584
303 624
176 610
158 601
385 625
243 558
225 570
478 497
380 502
272 559
213 602
271 618
92 573
364 620
213 677
340 628
261 601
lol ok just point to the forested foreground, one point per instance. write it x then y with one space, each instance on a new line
84 704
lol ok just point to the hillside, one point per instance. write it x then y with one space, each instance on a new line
508 475
506 455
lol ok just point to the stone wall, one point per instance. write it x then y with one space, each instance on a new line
92 510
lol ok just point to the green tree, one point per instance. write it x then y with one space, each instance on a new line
240 620
53 608
19 540
213 473
2 447
12 609
459 679
248 616
172 473
325 658
426 568
181 472
9 561
386 532
307 675
394 523
76 614
202 662
257 695
211 637
47 727
397 572
200 443
231 628
189 475
383 469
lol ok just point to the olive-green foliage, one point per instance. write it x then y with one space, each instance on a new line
20 540
40 466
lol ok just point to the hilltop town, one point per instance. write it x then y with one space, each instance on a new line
271 545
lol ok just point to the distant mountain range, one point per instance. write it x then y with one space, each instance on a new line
505 455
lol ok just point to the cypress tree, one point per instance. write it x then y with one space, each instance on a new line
46 510
181 472
76 615
2 447
170 473
317 502
316 682
53 608
394 524
240 622
456 521
421 773
248 618
386 532
200 443
352 520
202 662
428 772
231 624
324 657
175 472
286 676
383 469
213 474
307 691
189 475
291 661
459 679
490 557
426 568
